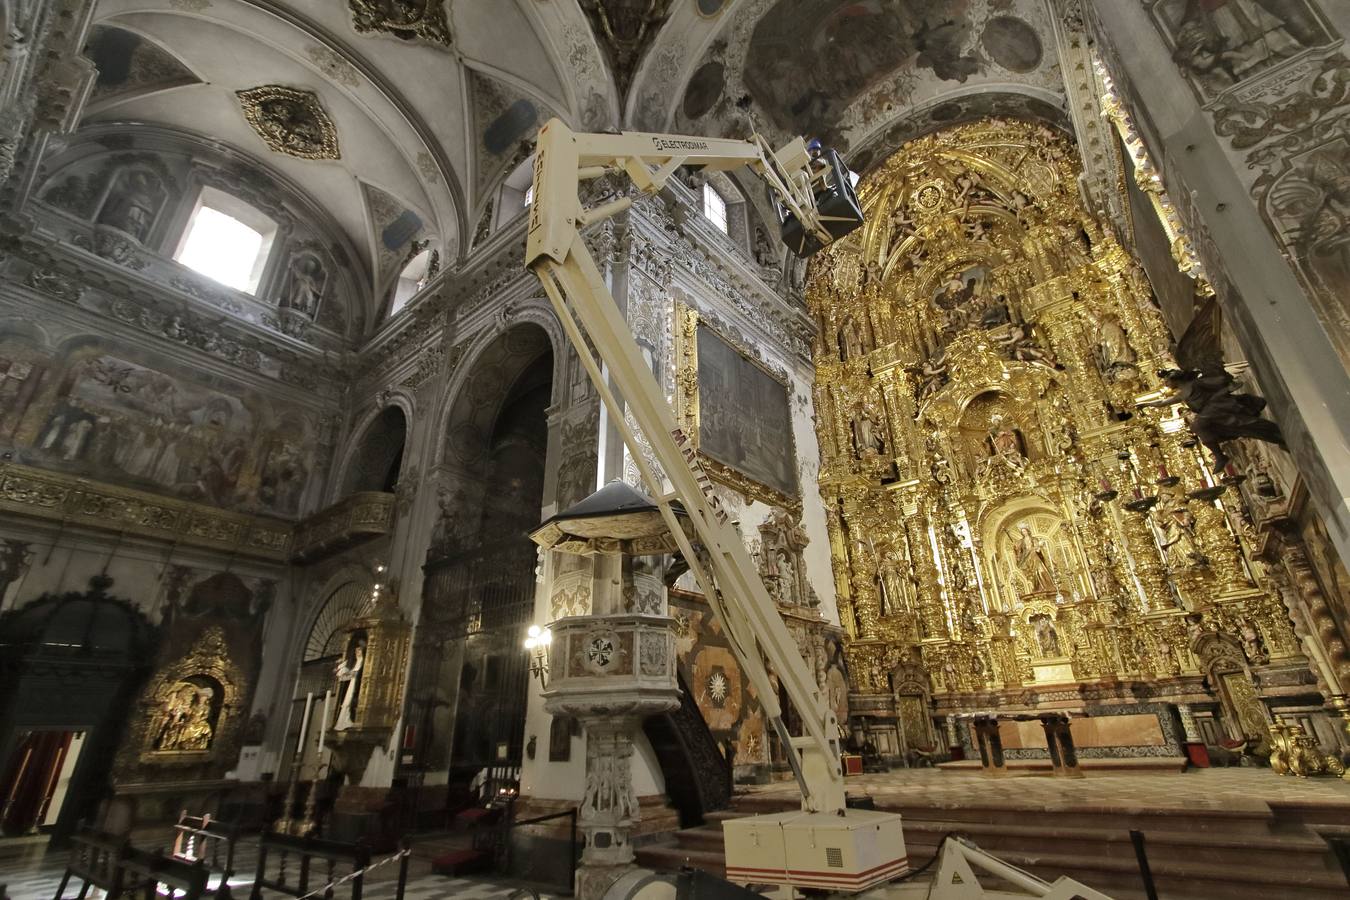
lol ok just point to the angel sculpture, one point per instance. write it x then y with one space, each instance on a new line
1218 413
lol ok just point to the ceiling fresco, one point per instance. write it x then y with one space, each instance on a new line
850 71
437 102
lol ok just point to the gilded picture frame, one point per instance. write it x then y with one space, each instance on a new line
735 428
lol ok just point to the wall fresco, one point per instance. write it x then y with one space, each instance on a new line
129 419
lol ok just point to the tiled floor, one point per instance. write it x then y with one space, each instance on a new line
1198 789
31 875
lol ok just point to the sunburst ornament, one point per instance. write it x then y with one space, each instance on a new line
718 687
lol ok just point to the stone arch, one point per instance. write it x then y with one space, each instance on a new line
342 598
491 350
376 458
479 591
535 312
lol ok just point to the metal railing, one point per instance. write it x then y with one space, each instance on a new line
541 856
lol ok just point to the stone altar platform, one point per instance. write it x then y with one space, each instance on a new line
1240 834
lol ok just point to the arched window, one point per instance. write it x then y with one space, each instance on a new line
227 239
412 279
715 207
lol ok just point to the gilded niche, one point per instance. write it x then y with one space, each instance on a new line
1009 505
404 19
193 704
290 121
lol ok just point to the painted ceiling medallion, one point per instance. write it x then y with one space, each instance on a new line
626 28
290 121
406 19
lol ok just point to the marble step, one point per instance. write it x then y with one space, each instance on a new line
1118 877
922 838
1256 820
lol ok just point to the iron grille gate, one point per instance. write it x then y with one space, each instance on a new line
481 601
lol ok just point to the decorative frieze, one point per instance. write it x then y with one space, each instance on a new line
69 500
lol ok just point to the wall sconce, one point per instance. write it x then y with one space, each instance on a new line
537 642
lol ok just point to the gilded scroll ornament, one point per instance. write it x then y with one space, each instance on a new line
290 121
405 19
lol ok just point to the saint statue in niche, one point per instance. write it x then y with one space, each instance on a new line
1115 356
133 203
1005 447
895 584
304 285
867 438
1047 639
1179 543
851 345
1032 559
349 672
783 541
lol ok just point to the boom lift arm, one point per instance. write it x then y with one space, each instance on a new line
816 206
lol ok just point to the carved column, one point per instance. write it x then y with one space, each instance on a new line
1321 622
934 624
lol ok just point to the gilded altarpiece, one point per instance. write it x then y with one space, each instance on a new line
1009 527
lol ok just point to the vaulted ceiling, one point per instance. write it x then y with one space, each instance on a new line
434 103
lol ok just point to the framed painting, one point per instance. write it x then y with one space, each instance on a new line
737 411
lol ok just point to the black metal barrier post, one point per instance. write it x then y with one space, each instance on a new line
1137 838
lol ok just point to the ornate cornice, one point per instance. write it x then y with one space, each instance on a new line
71 500
88 285
27 491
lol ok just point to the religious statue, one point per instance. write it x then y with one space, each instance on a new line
766 254
782 544
1252 647
1218 413
851 344
1015 340
1179 542
1168 658
1047 638
1032 559
1115 356
304 286
349 672
995 313
1005 442
933 375
131 208
895 583
1105 582
186 722
867 437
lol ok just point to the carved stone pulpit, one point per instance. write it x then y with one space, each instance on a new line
610 669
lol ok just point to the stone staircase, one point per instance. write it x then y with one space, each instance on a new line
1194 854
